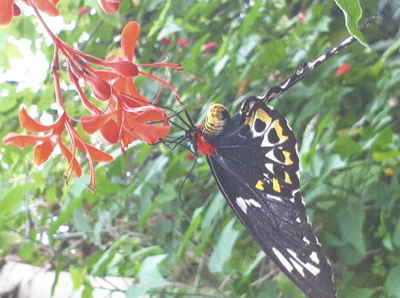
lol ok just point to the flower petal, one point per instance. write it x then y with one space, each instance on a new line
129 38
124 68
182 41
209 46
43 151
75 166
99 155
345 67
149 133
32 125
126 138
108 133
108 7
146 114
101 88
48 7
6 12
92 123
16 10
107 75
83 10
21 141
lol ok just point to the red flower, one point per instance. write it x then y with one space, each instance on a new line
83 10
166 41
109 6
182 41
345 67
301 16
209 46
168 217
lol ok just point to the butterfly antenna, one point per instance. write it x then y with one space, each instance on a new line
277 90
187 176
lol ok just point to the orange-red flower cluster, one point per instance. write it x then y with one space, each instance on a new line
127 114
8 9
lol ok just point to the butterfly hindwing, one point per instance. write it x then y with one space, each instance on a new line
256 169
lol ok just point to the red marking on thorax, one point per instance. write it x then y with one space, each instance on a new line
203 145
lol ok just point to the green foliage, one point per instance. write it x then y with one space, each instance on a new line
134 225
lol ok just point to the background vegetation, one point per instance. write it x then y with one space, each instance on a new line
134 225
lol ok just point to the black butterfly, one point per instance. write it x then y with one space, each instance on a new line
254 159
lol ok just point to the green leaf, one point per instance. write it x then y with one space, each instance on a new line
77 277
100 267
26 251
272 53
346 147
351 223
196 221
13 197
383 155
396 234
392 283
149 273
223 250
250 19
80 221
256 262
352 13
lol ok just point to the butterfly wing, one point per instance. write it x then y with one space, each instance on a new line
256 169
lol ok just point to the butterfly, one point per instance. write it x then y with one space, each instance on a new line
254 159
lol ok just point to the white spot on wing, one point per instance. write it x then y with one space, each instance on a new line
298 267
254 203
242 204
314 257
282 259
310 267
270 167
306 240
275 198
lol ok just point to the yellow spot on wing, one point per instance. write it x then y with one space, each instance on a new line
249 120
260 185
287 178
263 116
288 160
279 131
275 185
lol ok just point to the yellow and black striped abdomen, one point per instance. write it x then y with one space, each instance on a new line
216 120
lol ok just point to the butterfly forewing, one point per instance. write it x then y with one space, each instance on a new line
256 169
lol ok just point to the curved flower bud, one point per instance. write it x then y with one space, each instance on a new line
129 38
108 6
